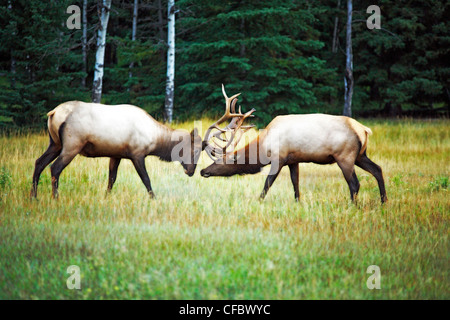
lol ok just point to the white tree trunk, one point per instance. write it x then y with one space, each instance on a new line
134 30
84 42
348 79
100 55
170 61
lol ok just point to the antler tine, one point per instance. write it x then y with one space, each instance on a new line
228 101
214 153
246 128
233 106
218 136
223 91
225 94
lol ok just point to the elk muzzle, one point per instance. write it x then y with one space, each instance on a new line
205 174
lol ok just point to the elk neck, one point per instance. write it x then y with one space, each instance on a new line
167 142
252 163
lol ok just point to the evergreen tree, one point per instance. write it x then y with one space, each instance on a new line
284 56
404 65
46 65
147 52
265 49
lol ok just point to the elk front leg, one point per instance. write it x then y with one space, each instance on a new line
139 164
294 178
273 174
113 166
348 170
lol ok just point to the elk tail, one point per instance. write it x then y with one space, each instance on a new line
367 132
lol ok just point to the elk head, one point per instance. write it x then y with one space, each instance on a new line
186 149
196 149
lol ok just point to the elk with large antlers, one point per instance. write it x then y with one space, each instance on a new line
291 139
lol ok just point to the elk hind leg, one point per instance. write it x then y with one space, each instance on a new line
43 161
365 163
66 156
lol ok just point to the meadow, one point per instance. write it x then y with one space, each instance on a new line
213 239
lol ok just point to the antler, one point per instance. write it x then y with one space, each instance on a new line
217 151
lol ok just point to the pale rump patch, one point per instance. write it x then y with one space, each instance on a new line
57 117
361 131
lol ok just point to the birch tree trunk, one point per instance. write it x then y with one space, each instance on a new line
133 32
348 80
170 62
84 42
100 55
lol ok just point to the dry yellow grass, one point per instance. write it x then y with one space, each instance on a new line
212 238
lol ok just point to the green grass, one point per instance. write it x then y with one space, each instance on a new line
212 238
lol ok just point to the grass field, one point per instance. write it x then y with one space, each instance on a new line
212 238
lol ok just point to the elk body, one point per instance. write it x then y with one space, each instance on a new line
117 132
291 139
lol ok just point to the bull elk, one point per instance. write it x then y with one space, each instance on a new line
289 140
118 132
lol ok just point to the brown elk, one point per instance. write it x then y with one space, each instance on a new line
118 132
289 140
